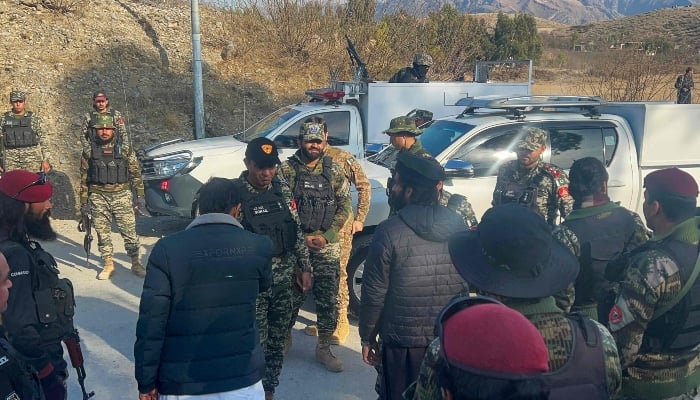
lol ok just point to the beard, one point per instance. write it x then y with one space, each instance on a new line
39 226
309 156
398 201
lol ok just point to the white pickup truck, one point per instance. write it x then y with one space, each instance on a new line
632 139
356 113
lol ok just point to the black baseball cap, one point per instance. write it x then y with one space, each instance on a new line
263 152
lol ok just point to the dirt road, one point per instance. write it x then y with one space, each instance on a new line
106 316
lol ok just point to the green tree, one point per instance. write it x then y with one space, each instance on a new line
516 37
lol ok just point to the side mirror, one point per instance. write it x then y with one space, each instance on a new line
459 169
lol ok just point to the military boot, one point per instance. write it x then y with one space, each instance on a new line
269 395
107 269
342 330
324 355
311 330
136 267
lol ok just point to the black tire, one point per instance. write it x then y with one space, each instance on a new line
358 254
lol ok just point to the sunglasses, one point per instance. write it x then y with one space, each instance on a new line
40 181
456 305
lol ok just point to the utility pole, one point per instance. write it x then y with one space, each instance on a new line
197 73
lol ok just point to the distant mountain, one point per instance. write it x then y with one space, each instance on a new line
570 12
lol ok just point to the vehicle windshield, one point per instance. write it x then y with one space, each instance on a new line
267 124
436 137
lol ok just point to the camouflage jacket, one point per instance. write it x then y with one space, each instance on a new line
135 179
569 239
341 188
407 75
284 266
118 123
41 152
557 334
355 175
552 187
651 280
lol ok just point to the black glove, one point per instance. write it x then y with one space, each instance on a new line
85 210
54 387
141 207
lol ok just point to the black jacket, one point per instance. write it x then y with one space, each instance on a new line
196 332
21 317
17 378
409 276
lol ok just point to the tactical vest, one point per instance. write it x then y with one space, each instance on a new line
53 296
601 240
520 193
678 329
583 376
18 132
267 213
315 198
17 377
107 164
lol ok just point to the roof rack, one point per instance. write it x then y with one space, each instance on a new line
518 105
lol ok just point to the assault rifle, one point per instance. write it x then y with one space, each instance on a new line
72 342
360 66
85 225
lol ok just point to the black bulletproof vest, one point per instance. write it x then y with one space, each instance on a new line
55 302
16 375
267 213
17 132
601 240
315 197
677 330
583 376
107 164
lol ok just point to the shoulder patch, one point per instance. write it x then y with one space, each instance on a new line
555 172
563 192
619 315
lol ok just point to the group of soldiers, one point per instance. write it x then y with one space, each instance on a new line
109 170
577 264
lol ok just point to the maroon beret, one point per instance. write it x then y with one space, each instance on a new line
494 338
671 181
26 186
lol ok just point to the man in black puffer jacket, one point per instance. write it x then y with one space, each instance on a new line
196 333
408 275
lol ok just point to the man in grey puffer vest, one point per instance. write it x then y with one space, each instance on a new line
408 275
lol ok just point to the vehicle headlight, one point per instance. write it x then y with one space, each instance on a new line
166 166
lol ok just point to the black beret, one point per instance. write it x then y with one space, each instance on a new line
425 166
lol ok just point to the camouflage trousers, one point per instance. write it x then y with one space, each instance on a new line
28 158
345 240
273 312
118 206
326 265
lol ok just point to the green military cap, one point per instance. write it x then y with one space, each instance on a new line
423 59
532 139
104 121
16 95
427 167
403 124
311 131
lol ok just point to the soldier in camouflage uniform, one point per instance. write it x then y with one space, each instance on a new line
684 86
532 182
596 231
537 268
25 144
100 108
323 200
417 73
108 171
267 208
356 176
403 135
656 317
